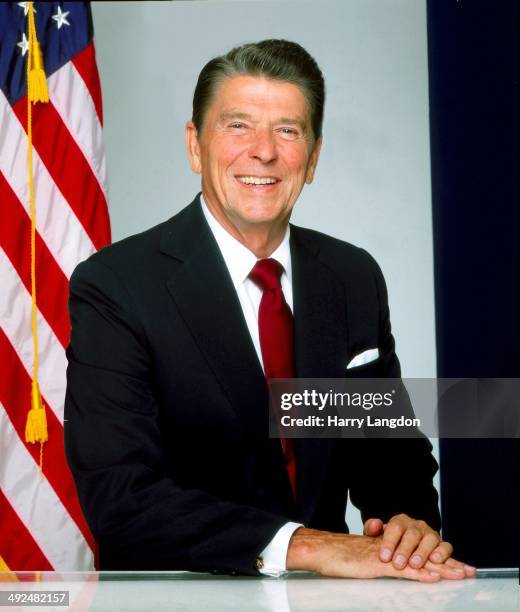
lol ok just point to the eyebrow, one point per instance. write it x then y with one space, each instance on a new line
294 121
230 115
235 115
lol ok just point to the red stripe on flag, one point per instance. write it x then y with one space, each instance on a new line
85 64
19 550
68 168
52 284
15 393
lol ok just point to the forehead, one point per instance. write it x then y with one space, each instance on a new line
246 93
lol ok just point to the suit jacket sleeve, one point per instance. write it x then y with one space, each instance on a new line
393 475
141 518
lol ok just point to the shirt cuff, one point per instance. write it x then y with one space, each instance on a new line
273 557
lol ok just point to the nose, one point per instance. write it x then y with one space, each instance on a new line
263 146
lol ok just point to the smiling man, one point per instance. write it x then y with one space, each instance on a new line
175 332
255 148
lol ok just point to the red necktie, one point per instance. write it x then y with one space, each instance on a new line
276 330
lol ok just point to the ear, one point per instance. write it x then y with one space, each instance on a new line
192 146
313 161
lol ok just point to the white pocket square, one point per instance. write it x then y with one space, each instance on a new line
363 358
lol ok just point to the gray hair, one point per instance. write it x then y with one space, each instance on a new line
281 60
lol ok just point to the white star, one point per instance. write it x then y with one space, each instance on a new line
25 6
23 44
61 18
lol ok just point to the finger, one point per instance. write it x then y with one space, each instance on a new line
409 542
373 527
442 552
470 570
391 538
423 550
454 563
428 576
410 573
447 572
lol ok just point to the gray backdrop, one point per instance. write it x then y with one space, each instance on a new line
372 187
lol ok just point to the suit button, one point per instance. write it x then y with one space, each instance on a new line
259 563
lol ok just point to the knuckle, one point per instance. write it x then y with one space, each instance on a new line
392 532
391 541
413 532
395 529
427 546
447 547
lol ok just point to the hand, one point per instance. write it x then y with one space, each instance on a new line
353 556
413 542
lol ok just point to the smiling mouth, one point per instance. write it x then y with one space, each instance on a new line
257 180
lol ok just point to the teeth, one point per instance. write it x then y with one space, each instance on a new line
251 180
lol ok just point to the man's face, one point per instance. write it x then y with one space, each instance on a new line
255 151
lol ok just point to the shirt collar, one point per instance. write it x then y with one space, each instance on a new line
239 259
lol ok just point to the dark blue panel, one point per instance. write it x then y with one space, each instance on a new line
474 131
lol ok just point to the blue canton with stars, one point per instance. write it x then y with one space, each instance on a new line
63 29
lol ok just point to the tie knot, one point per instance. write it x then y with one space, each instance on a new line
266 274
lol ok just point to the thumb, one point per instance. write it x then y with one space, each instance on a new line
373 527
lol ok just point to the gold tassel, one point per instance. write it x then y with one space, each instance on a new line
36 78
36 426
37 85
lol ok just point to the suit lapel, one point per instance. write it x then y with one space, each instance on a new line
319 311
206 299
320 341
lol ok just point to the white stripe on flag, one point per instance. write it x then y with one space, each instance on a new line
71 98
38 506
15 317
56 222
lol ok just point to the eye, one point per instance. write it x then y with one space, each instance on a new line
237 125
288 133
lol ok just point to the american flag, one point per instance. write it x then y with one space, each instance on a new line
41 524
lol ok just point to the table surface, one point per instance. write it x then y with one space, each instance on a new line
298 591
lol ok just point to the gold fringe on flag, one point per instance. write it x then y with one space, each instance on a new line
36 425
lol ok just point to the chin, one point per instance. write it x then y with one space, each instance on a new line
261 217
263 214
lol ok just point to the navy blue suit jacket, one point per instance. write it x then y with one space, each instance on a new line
167 409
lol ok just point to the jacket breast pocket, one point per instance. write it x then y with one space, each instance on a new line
373 369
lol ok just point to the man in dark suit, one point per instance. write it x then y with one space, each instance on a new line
175 330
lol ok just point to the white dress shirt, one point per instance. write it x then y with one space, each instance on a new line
240 261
